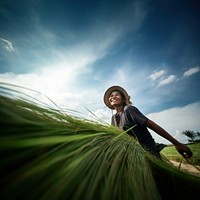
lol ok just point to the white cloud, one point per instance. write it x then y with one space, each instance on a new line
191 71
169 79
176 120
57 88
160 78
157 74
60 77
102 114
7 45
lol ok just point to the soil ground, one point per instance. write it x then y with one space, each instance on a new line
187 167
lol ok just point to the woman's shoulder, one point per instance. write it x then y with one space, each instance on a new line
129 107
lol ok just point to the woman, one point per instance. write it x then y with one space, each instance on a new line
129 118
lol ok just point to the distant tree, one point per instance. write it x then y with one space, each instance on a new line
192 135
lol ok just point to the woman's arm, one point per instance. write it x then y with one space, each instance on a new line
181 148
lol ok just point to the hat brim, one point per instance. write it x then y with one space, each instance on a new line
110 90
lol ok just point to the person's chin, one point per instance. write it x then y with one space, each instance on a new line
114 104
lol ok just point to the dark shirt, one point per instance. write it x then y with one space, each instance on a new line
131 118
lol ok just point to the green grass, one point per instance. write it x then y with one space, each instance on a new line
171 153
47 154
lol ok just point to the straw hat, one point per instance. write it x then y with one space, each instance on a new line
115 88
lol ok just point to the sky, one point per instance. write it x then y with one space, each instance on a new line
71 51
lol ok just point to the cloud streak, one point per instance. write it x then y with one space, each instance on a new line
60 76
191 71
157 74
168 80
161 78
7 45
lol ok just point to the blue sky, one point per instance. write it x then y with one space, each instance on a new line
72 51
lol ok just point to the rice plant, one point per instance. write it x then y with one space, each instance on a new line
49 154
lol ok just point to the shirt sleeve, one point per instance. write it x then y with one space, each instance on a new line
135 115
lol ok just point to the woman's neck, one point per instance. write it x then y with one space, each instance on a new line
118 108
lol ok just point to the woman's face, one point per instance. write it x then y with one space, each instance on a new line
115 99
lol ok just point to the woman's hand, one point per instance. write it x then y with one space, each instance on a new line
184 150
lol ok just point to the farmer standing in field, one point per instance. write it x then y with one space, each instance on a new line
129 118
